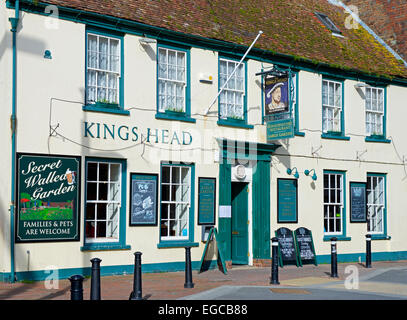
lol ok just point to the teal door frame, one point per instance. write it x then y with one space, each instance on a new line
240 229
230 151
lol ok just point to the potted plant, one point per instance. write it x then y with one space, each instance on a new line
334 133
235 118
174 111
104 103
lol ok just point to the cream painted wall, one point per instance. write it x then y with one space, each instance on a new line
5 134
42 81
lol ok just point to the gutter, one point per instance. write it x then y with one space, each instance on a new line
13 120
379 39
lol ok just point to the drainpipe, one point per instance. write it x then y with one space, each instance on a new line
14 24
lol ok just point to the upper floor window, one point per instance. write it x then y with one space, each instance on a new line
232 98
172 81
374 111
331 107
103 69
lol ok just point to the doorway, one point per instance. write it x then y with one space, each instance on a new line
240 232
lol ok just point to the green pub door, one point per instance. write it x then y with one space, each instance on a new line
240 234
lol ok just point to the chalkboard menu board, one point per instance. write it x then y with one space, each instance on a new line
358 202
305 246
286 247
143 199
206 201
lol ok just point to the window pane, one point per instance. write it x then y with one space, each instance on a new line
164 211
103 53
101 211
176 174
101 229
92 172
103 191
324 92
331 93
115 172
90 211
175 193
114 192
103 171
165 192
91 191
172 211
90 229
114 55
165 174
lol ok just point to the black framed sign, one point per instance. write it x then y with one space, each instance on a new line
305 246
206 201
287 200
286 247
48 198
143 199
358 206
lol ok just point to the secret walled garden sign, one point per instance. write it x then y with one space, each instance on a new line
48 198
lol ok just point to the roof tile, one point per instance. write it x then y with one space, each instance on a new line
290 27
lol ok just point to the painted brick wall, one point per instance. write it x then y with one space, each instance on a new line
388 18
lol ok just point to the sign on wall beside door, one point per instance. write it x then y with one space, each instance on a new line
358 207
48 198
287 204
206 201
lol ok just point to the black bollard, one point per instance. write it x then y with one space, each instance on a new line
368 251
137 290
274 262
188 269
95 279
334 262
76 287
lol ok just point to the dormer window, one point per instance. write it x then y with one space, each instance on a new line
328 23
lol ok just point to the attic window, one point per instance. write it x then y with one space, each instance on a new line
328 23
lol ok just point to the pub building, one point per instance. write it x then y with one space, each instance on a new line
138 126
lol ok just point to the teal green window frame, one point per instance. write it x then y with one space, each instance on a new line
383 235
191 223
100 107
234 122
168 115
342 236
379 138
340 135
121 244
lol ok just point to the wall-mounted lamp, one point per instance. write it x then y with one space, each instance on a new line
296 175
307 173
47 54
147 40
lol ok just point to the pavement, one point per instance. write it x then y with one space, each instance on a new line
386 280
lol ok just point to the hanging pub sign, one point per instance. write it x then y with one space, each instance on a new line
143 199
278 98
276 91
48 196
